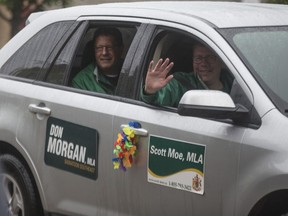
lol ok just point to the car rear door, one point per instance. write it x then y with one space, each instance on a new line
65 134
78 137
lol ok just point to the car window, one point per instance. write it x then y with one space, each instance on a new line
29 60
78 57
62 65
196 66
85 54
175 46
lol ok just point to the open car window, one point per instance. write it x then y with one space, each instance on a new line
196 66
79 51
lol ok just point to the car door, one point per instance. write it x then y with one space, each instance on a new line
87 119
184 165
65 132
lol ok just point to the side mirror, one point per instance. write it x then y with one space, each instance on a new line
210 104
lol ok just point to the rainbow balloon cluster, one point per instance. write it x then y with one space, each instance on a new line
125 147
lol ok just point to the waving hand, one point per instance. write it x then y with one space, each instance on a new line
156 77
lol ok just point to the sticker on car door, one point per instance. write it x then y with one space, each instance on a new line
71 147
176 164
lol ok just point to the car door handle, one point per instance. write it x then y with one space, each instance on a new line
39 109
138 131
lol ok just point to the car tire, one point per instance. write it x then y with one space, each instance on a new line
18 195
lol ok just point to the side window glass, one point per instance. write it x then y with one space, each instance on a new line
62 64
100 56
194 65
28 61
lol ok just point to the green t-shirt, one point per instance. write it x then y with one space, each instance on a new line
87 80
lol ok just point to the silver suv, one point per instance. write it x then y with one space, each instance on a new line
61 149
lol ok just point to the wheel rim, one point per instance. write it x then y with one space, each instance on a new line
13 197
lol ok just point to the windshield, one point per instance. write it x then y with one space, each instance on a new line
265 52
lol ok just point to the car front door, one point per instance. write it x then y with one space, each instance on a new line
184 165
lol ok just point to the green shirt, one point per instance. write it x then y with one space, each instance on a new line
182 82
92 80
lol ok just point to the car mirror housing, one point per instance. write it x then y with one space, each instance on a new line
210 104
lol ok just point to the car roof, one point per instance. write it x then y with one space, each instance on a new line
217 14
220 14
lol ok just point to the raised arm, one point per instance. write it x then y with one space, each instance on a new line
156 77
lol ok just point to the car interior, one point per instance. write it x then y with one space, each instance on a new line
178 49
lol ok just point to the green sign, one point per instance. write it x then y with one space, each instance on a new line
71 147
176 164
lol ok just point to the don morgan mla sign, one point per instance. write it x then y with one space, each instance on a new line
176 164
71 147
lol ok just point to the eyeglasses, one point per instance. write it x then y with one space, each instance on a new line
107 48
209 58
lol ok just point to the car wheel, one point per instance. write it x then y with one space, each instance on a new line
18 196
274 204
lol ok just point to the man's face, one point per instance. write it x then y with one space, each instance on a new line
207 65
107 53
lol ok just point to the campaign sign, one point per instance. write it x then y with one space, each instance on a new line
176 164
71 147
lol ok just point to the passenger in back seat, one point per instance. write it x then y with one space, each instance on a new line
102 74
